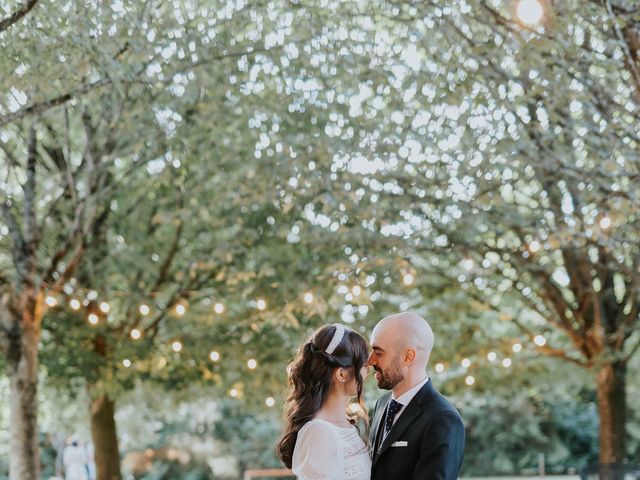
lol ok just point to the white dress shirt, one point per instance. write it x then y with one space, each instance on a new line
407 396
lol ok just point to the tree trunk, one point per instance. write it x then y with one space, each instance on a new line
612 412
22 362
105 439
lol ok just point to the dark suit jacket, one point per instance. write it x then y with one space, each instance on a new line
428 438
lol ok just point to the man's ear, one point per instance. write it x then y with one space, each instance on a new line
409 355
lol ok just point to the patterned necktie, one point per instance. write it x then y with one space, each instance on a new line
392 410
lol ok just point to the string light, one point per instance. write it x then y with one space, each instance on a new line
51 301
92 295
354 408
605 222
270 401
308 297
233 392
534 246
126 362
407 279
529 12
467 263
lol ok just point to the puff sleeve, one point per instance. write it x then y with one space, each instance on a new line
315 455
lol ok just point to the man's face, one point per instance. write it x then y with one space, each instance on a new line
386 361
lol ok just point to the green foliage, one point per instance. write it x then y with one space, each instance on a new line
203 153
506 435
193 426
174 469
249 436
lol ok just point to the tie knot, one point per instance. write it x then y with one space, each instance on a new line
394 407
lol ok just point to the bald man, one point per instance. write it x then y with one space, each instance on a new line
416 433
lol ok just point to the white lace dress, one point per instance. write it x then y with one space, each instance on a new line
325 451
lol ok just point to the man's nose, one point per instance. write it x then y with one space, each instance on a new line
370 361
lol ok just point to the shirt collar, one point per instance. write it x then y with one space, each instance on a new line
407 396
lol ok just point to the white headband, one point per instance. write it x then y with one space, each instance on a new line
338 335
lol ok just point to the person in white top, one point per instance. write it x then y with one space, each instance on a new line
320 441
74 459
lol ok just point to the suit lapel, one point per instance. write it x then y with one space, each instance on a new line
377 421
411 412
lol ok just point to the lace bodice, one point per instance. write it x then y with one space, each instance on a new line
324 451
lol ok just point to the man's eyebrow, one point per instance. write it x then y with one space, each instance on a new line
377 349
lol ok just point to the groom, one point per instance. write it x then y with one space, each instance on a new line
416 433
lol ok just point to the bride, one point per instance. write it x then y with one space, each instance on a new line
319 441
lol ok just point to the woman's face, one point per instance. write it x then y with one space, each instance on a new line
353 383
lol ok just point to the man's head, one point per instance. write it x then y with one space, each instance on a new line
401 345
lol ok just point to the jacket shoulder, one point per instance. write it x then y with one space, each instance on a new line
440 404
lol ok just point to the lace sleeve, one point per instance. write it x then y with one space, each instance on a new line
315 454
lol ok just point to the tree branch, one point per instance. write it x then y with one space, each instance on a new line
38 108
16 16
29 208
42 107
69 268
16 236
62 251
630 60
173 249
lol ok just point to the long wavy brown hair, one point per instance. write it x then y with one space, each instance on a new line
310 376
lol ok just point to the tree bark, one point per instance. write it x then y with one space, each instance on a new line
612 411
23 378
105 438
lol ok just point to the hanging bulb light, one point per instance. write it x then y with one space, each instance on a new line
529 12
408 279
